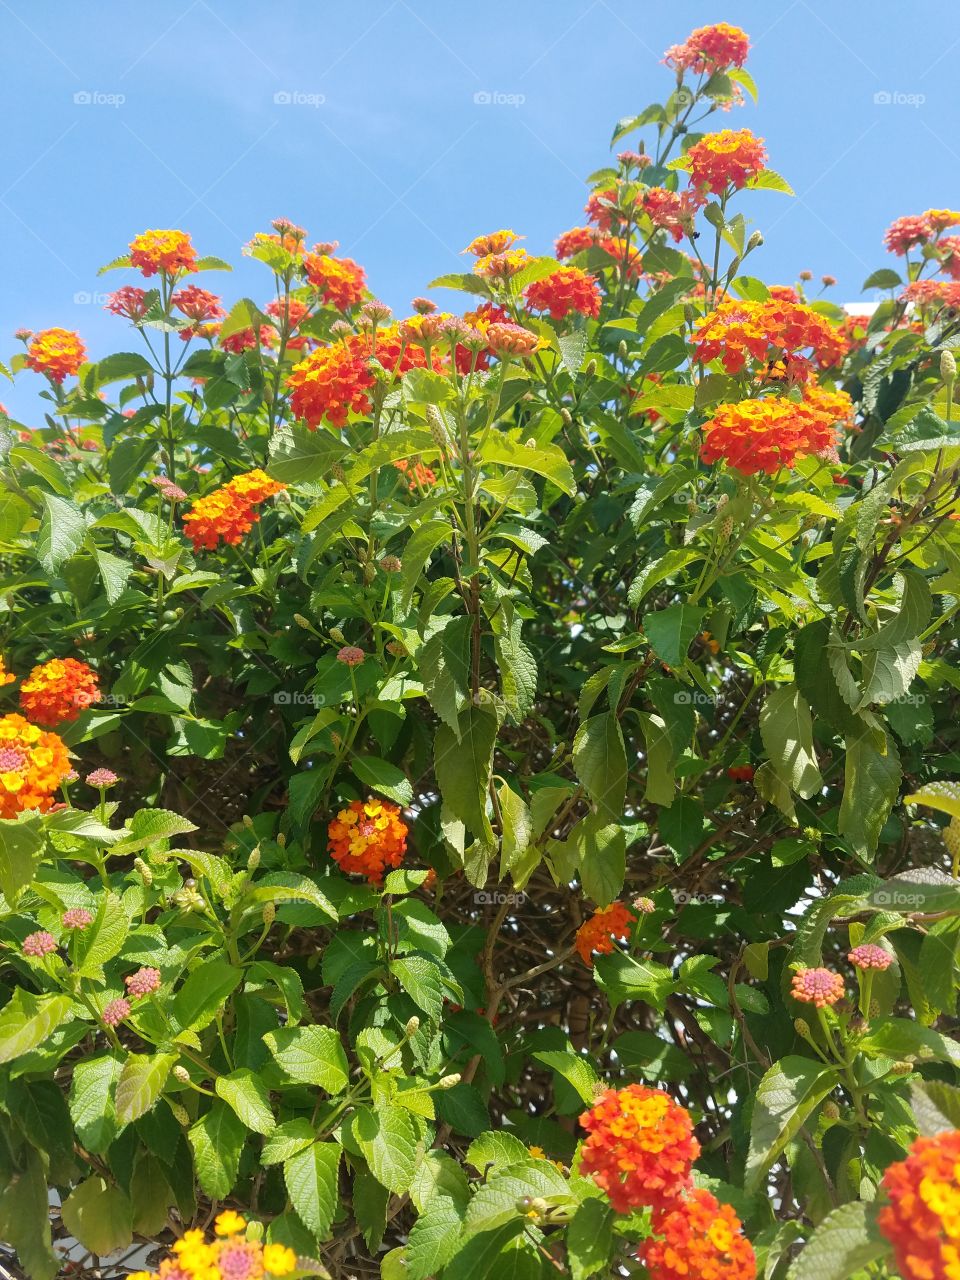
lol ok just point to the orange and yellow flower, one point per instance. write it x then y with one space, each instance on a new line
341 282
230 511
58 353
640 1147
166 252
367 837
698 1237
57 691
493 242
33 763
564 290
771 333
921 1218
574 241
416 475
597 933
6 677
729 158
709 49
764 435
500 267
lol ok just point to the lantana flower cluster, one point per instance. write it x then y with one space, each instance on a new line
921 1216
234 1254
773 432
56 692
367 838
33 764
230 511
788 339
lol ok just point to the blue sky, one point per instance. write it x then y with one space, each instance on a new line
383 144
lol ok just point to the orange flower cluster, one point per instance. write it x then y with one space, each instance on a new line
906 233
771 333
640 1147
6 677
574 241
700 1237
230 511
332 382
922 1217
764 435
501 266
494 243
628 257
507 339
564 290
33 763
233 1256
601 209
819 987
671 210
597 933
367 837
341 282
933 293
709 49
57 691
415 474
168 252
728 158
58 353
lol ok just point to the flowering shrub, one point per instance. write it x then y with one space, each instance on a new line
480 790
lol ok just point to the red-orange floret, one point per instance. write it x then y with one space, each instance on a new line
564 290
57 691
230 511
764 435
58 353
729 158
597 933
341 282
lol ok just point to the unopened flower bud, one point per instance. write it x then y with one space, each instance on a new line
591 368
269 913
689 313
901 1068
755 241
301 621
450 1082
282 840
802 1028
412 1027
623 350
338 472
948 366
831 1111
180 1114
146 875
530 443
254 860
337 635
181 1073
567 416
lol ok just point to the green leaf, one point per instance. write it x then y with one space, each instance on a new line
115 574
311 1184
590 1238
602 851
624 978
99 1215
482 1257
389 1140
25 1217
21 844
496 1200
421 979
600 761
463 763
203 995
577 1071
312 1055
844 1244
883 279
141 1082
92 1107
547 460
661 776
286 1140
786 1096
103 939
27 1020
384 777
518 670
871 784
416 553
147 826
770 180
498 1149
246 1093
300 457
217 1140
671 631
787 732
62 531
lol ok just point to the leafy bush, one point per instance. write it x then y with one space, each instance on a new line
514 753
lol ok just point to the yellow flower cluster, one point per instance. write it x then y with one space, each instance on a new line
233 1255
